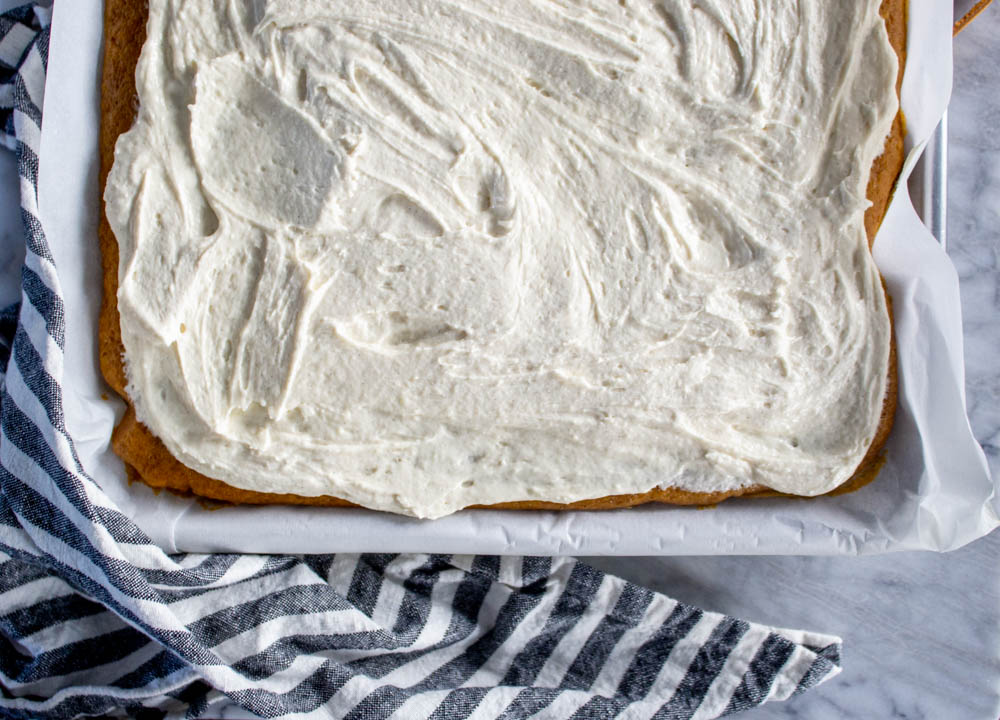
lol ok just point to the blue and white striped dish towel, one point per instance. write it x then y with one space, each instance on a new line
96 620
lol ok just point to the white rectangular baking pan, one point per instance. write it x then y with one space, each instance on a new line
934 492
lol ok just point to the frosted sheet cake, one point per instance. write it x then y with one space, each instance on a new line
425 256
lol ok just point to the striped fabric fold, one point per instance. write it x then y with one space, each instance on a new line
97 620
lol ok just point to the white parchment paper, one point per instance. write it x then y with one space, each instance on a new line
935 491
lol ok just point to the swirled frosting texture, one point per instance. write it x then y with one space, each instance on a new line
423 255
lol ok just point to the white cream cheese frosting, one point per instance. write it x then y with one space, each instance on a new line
427 254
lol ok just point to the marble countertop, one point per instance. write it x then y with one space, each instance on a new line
921 630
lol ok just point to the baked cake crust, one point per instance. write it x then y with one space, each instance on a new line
147 458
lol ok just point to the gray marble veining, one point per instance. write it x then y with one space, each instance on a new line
974 218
